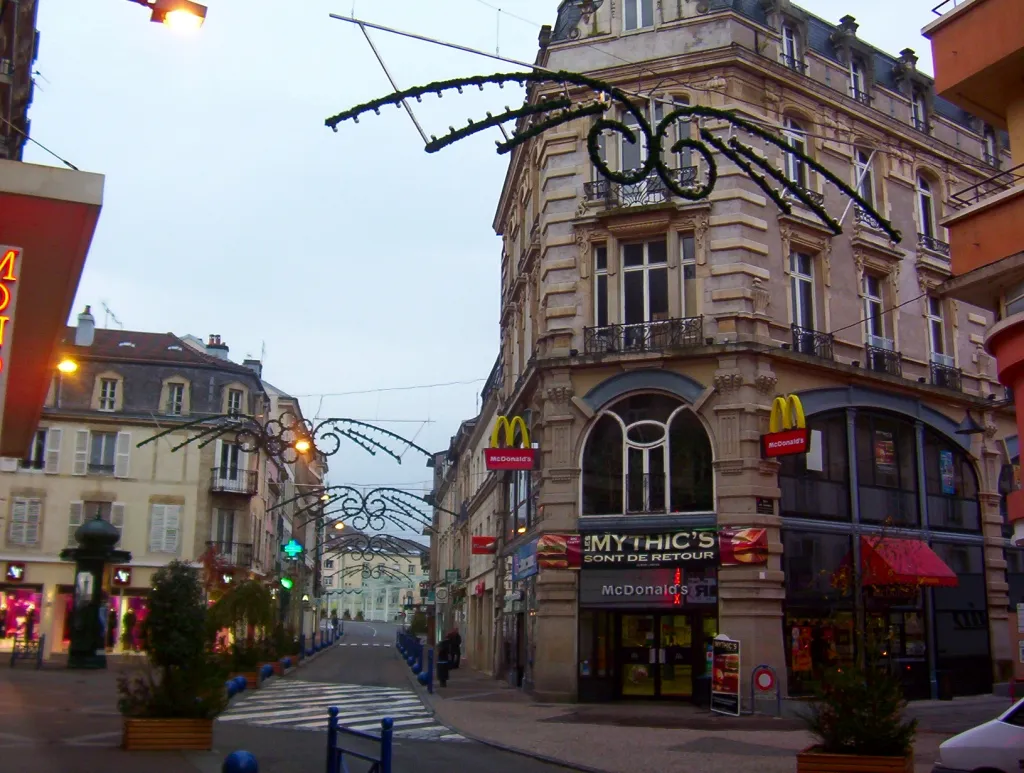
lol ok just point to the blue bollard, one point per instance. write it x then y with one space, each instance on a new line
230 685
286 662
332 740
240 762
386 732
240 683
267 671
302 644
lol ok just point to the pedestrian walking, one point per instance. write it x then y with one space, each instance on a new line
456 647
442 654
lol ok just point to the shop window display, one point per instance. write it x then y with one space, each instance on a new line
824 493
887 470
19 614
951 485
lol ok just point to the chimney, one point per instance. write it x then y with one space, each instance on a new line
908 58
86 330
255 366
849 25
217 349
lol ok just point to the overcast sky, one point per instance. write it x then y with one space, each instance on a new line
360 262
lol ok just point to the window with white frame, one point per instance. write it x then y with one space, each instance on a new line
688 269
632 154
637 14
329 563
230 461
991 148
235 402
926 207
108 394
937 333
801 282
791 56
175 398
328 582
102 451
874 313
26 519
601 285
918 111
36 457
858 89
865 180
685 128
796 169
644 282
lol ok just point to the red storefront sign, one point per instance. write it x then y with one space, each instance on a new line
484 546
785 443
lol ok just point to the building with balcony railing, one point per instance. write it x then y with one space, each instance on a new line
646 337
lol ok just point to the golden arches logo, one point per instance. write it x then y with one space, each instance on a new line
787 413
503 422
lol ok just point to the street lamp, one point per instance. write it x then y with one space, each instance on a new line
67 365
177 14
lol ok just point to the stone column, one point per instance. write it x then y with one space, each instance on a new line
995 560
749 598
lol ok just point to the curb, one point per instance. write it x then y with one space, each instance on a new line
430 702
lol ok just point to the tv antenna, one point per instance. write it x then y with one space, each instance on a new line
108 315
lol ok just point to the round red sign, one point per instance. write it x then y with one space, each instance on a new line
764 679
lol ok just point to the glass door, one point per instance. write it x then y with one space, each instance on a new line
675 656
638 654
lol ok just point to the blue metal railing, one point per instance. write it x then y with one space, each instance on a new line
381 763
419 657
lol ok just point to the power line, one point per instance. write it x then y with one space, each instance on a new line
882 313
394 389
37 142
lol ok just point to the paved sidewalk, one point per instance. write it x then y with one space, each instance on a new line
650 738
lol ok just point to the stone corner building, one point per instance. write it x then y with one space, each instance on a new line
645 337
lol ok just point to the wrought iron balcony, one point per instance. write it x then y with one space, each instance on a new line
793 63
648 191
232 553
494 381
930 243
990 186
920 124
655 336
813 342
646 493
862 96
884 360
817 198
946 376
101 469
865 218
231 480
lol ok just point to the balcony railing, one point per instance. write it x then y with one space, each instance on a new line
813 342
865 218
650 190
862 96
946 6
946 376
654 336
793 63
930 243
884 360
920 124
494 380
231 480
101 469
817 198
990 186
646 493
232 553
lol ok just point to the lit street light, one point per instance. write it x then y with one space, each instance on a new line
177 14
67 365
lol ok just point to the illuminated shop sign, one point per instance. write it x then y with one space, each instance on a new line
648 588
10 267
508 457
694 546
15 572
122 576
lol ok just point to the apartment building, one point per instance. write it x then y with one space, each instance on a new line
85 461
377 583
19 47
645 338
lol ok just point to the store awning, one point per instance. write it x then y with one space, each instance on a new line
48 215
893 561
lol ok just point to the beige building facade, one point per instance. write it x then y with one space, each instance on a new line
645 339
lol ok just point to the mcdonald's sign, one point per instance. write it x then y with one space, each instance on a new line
508 457
787 429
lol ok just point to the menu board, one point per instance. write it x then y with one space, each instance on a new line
725 676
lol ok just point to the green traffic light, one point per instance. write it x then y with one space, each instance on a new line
287 583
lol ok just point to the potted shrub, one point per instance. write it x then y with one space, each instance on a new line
246 610
859 725
172 705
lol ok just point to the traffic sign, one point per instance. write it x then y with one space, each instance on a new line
764 679
441 595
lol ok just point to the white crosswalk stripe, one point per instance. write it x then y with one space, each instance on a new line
295 705
365 644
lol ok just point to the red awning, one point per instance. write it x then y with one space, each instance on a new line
893 561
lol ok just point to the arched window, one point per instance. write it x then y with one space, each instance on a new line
796 138
817 485
887 469
951 484
647 453
926 211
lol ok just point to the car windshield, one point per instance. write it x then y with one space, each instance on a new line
1015 716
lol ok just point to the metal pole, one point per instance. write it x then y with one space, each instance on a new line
860 179
386 732
430 671
394 85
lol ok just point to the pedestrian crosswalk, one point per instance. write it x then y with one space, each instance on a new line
365 644
290 704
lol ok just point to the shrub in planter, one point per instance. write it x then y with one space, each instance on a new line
347 615
359 615
418 624
172 703
859 713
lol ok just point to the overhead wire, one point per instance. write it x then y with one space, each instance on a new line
34 141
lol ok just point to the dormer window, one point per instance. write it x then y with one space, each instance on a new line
637 14
858 83
235 402
791 55
174 348
990 150
108 394
919 111
128 344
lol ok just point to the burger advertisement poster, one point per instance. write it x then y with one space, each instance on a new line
725 676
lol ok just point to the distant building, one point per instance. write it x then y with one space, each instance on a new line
19 47
376 584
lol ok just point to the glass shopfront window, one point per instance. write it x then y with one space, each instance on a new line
20 608
1015 576
824 493
961 620
951 485
887 470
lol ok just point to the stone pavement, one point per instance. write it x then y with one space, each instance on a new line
652 738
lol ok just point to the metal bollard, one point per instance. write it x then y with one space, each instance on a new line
332 739
240 762
386 733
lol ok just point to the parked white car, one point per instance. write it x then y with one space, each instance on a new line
994 747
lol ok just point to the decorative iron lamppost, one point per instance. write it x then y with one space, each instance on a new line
96 540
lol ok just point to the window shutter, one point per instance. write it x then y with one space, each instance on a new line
75 519
19 521
156 528
117 516
218 458
52 462
33 519
8 464
123 455
81 465
172 527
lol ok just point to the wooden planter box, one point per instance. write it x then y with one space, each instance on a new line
812 761
278 667
167 734
252 679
